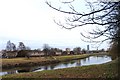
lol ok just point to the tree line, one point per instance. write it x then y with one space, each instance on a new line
24 51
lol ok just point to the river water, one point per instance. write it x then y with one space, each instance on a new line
74 63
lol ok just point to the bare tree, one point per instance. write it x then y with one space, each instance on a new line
23 51
77 50
21 46
104 15
46 49
10 46
13 46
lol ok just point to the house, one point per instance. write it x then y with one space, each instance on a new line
58 53
10 54
36 53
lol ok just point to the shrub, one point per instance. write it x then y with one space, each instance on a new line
23 53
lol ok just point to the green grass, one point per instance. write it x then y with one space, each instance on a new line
106 70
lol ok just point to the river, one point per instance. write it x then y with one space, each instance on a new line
74 63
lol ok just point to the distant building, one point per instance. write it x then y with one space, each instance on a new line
88 48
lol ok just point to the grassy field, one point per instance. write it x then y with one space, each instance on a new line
19 62
106 70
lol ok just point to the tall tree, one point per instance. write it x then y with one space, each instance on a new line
21 46
13 46
104 15
10 46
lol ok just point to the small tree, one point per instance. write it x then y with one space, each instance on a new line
24 53
52 51
23 50
68 50
77 50
46 49
83 51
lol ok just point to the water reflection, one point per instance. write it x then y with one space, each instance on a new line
23 70
78 63
86 61
11 72
52 67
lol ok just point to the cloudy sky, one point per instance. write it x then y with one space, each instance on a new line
31 22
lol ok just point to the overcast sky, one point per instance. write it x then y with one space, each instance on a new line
31 22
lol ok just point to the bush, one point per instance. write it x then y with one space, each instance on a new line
23 53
